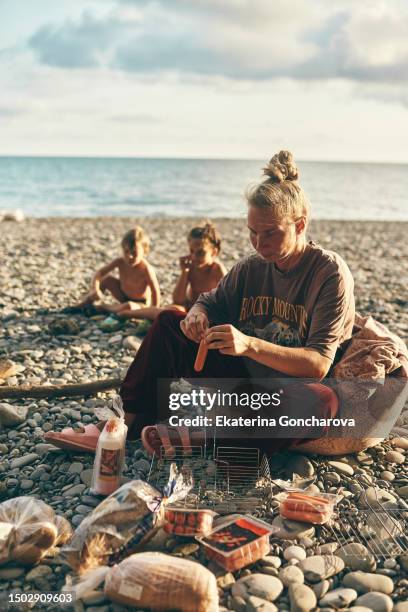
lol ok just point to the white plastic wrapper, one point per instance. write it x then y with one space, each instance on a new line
155 581
123 522
162 582
110 451
29 528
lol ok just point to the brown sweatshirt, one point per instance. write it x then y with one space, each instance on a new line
310 305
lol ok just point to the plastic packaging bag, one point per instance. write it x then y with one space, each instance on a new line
110 451
123 522
29 528
162 582
308 507
151 580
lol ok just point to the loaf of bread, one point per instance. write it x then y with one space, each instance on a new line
111 525
162 582
32 544
31 528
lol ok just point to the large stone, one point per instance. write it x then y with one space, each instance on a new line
12 415
260 585
400 443
332 478
377 602
86 477
320 567
294 552
299 464
403 491
132 343
75 468
291 530
42 448
374 497
302 598
394 457
401 606
271 561
291 573
256 604
363 582
26 484
20 462
339 598
320 588
74 491
342 468
357 557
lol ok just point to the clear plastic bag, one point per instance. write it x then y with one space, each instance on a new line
29 528
123 522
162 582
151 580
110 451
307 507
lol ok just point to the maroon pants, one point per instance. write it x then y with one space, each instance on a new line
166 353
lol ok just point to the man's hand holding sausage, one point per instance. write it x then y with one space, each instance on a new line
228 340
195 324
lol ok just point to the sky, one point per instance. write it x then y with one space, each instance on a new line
327 79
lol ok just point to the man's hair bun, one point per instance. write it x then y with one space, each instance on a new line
281 167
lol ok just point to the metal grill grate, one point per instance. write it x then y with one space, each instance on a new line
383 531
228 479
239 468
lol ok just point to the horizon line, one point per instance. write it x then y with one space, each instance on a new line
194 158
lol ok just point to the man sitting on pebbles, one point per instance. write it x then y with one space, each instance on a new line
282 312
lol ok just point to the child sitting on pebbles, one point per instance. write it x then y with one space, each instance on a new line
136 286
199 272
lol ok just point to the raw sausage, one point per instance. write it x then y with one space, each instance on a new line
201 356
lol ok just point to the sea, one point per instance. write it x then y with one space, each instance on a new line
135 187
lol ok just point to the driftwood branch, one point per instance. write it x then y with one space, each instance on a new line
45 391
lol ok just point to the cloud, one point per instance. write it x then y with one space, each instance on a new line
368 43
83 44
142 118
237 39
393 93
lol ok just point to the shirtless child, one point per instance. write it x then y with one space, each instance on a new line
137 284
200 272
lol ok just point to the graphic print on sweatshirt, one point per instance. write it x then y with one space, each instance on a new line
285 323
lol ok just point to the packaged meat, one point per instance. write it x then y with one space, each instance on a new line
161 582
123 522
238 541
29 528
308 507
188 522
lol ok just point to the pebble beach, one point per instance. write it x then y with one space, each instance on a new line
47 264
